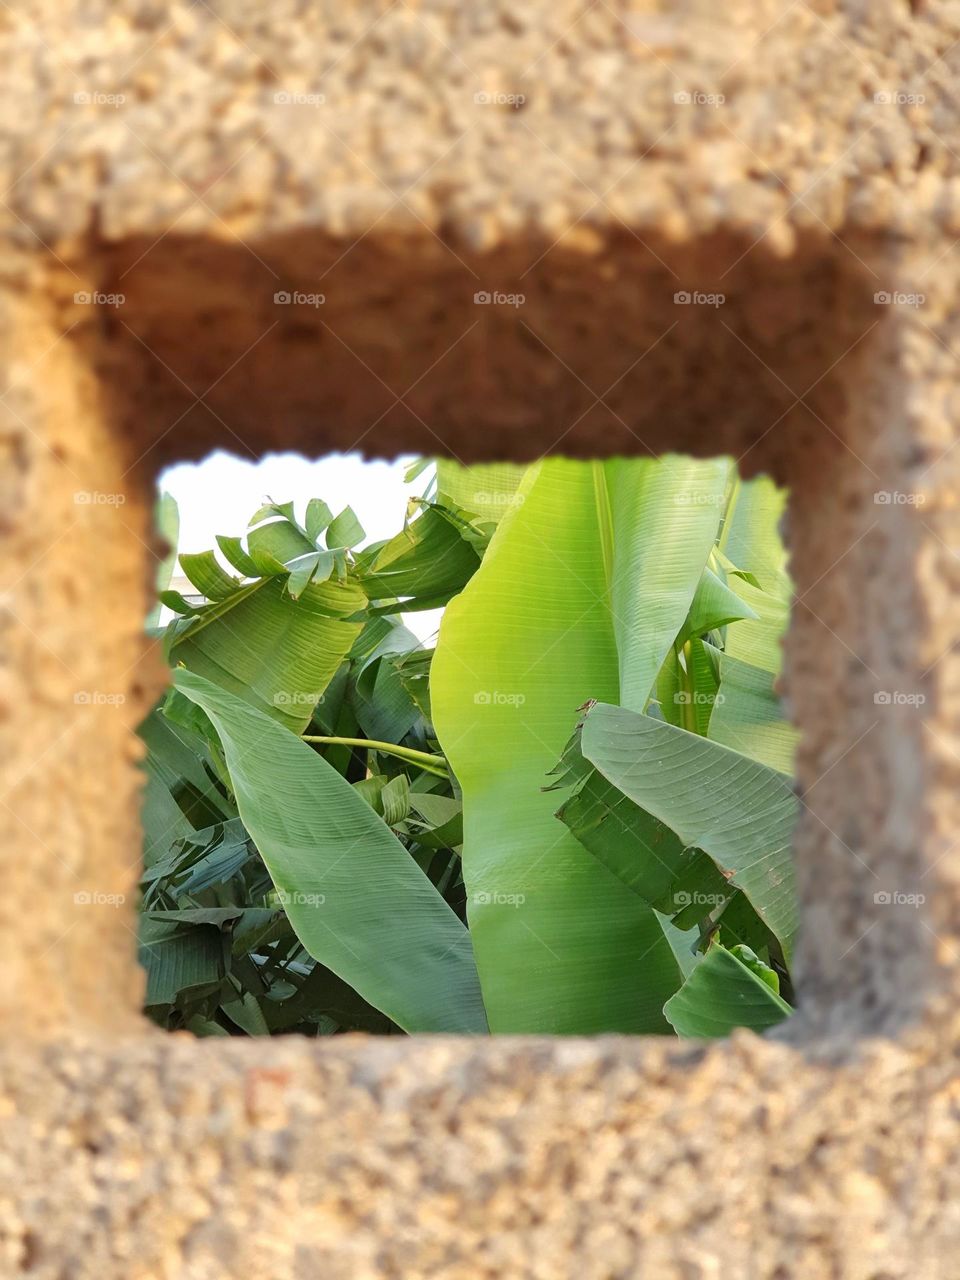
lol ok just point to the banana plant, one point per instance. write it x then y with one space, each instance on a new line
574 816
302 831
609 588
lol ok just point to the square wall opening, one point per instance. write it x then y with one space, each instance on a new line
485 359
467 749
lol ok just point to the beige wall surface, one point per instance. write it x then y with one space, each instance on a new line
181 183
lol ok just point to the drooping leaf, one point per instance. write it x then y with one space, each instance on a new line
739 812
245 1012
413 672
164 822
371 788
355 898
219 863
217 916
320 997
642 852
180 793
442 819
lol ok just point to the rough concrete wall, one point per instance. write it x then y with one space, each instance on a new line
72 689
527 1158
178 127
822 1152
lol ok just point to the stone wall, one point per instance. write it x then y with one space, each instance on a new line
169 170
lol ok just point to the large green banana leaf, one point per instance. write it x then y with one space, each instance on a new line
738 811
354 896
580 595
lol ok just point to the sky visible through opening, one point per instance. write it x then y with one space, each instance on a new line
220 494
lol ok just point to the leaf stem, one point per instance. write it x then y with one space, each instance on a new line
423 759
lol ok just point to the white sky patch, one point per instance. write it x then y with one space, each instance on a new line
220 494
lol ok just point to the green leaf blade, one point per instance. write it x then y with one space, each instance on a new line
722 994
738 811
277 653
562 947
355 898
